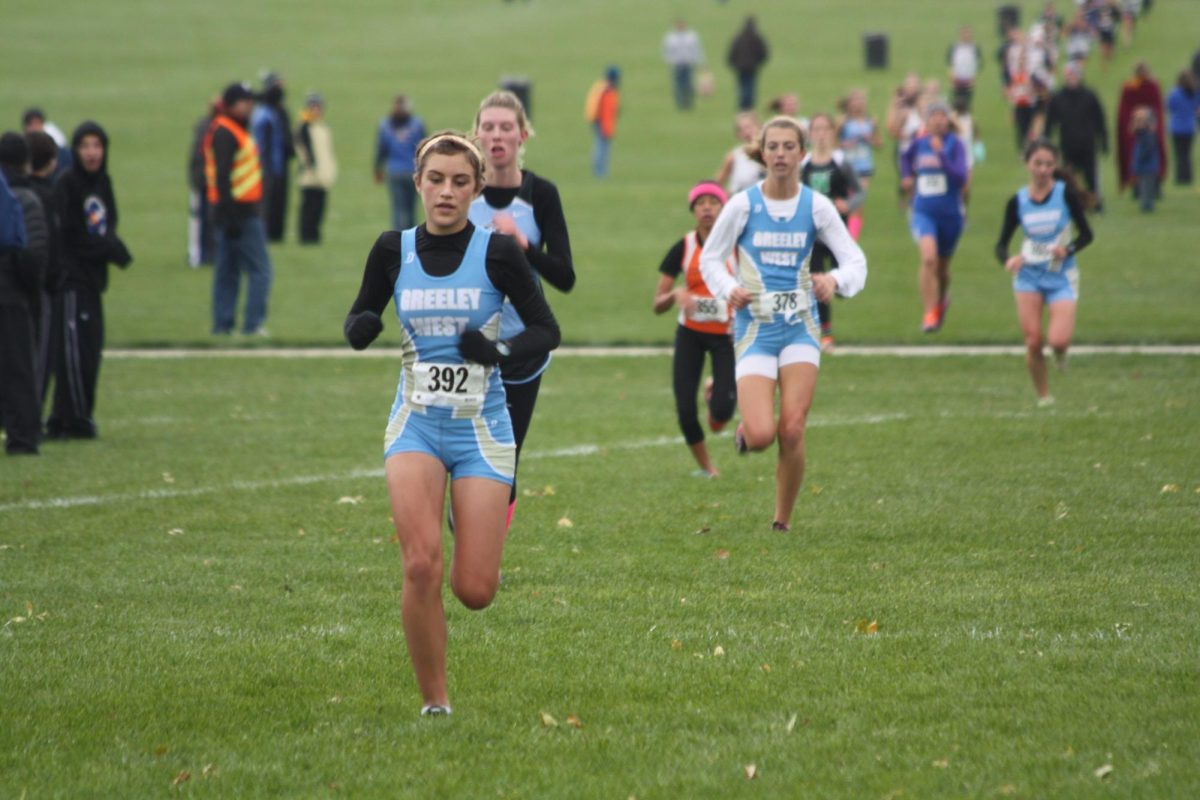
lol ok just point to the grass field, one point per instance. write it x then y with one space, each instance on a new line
146 69
979 598
210 589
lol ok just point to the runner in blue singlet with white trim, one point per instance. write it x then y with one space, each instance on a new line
777 328
934 170
1044 272
525 206
449 280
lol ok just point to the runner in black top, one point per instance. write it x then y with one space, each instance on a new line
1044 272
704 327
449 421
527 207
829 172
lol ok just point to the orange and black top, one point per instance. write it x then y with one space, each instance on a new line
710 314
232 171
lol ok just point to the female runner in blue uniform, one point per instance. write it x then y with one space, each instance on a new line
449 280
774 225
933 170
525 206
1044 272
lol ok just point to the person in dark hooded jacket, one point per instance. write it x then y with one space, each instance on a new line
20 282
43 166
88 243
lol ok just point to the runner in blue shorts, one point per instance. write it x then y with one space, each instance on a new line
449 281
1044 272
773 225
933 169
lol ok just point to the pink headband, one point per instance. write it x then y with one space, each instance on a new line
706 187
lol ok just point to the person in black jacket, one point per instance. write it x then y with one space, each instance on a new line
87 217
43 166
1077 113
747 53
20 282
202 243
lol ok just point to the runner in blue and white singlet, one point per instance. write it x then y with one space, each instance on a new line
525 206
774 225
449 420
1044 272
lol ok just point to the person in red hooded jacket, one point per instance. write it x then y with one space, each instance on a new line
1140 90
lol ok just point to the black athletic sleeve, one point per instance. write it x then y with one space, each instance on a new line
509 272
1083 230
379 276
672 264
1012 221
553 259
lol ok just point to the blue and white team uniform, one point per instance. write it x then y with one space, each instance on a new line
939 178
855 142
1046 225
774 241
447 407
481 215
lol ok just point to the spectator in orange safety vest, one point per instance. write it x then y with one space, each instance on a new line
233 175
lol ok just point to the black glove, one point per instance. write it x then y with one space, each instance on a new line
119 254
476 347
362 328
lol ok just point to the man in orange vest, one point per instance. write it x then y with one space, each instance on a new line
233 177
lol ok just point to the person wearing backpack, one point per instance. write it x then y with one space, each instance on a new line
21 270
88 243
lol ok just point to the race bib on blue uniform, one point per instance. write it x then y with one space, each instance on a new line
448 385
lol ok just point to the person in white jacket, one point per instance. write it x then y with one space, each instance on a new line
774 225
317 167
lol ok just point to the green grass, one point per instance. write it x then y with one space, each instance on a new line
196 598
145 70
210 601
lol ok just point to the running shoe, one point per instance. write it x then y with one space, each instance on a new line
779 527
1046 402
827 343
739 440
932 322
435 710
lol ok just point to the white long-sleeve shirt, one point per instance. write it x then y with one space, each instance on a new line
851 272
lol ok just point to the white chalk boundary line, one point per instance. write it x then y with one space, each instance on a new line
896 351
576 451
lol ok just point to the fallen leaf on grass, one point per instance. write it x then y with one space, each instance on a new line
1170 488
168 478
209 771
676 644
237 587
545 491
161 750
175 532
181 778
815 489
1007 789
765 667
865 627
942 763
791 723
1104 771
350 501
337 698
718 651
547 720
722 554
706 529
1061 511
574 721
565 523
750 771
